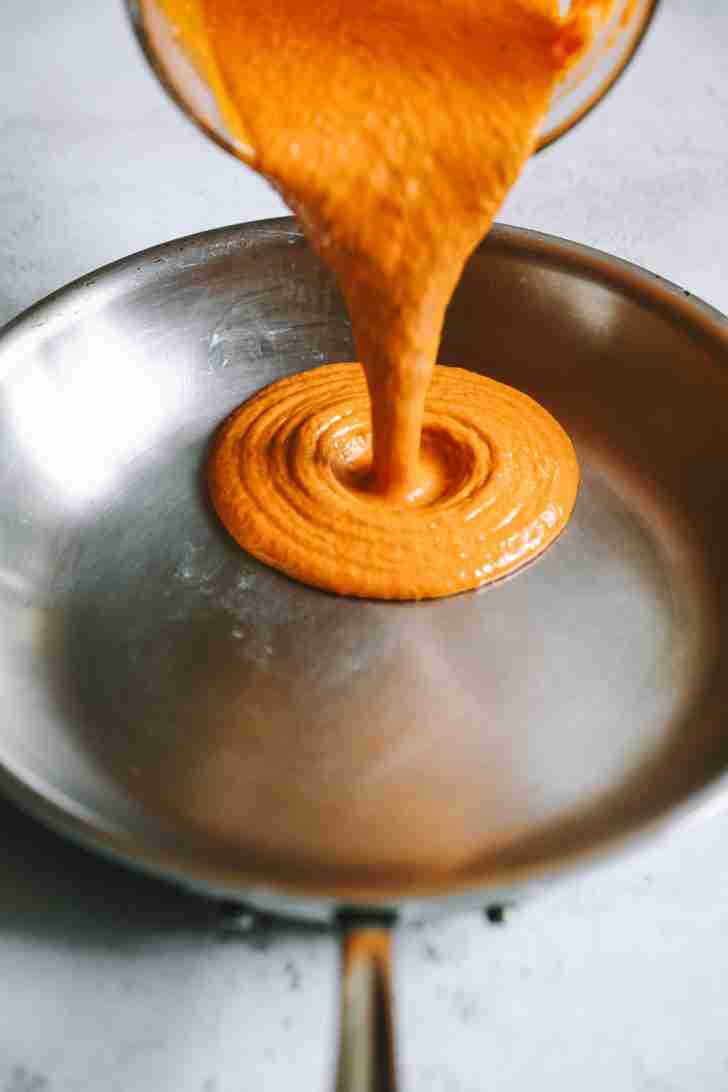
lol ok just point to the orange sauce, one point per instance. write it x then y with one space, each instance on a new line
394 129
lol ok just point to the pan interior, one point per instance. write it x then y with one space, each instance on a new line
176 697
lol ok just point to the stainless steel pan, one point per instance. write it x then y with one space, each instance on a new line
171 702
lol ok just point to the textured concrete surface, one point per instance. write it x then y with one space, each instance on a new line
617 980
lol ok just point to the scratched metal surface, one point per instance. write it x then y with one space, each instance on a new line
186 707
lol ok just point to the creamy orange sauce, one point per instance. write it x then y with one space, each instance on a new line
290 477
394 129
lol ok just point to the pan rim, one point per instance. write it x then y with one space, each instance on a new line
67 817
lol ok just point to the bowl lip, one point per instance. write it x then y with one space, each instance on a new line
607 85
136 20
316 900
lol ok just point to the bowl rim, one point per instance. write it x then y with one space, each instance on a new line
611 79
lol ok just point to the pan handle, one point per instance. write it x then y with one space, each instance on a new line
366 1037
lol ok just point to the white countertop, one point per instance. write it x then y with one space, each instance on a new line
617 980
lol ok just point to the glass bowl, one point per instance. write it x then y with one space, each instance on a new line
584 87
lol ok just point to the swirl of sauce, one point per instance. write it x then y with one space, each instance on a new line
394 129
290 475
